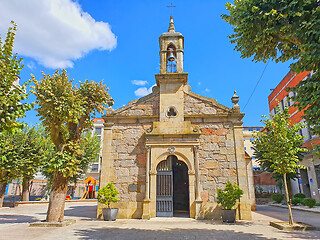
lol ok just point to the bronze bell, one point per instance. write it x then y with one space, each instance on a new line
171 57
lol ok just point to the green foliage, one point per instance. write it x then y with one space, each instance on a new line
277 197
9 169
67 111
278 149
281 31
296 200
229 196
23 153
317 204
299 195
108 194
310 202
11 96
90 149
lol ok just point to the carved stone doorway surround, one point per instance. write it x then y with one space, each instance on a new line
188 153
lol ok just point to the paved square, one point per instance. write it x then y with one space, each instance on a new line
14 224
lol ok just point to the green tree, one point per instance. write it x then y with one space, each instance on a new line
279 148
11 106
33 148
66 111
281 31
23 153
90 149
11 94
9 169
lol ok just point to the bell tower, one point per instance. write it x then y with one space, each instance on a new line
171 80
171 50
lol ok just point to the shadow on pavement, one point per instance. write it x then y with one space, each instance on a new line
17 219
219 222
304 235
85 212
119 234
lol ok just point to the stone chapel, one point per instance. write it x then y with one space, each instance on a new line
167 153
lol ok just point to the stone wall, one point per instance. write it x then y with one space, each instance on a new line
129 156
217 163
148 106
196 106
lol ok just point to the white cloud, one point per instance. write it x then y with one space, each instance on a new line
207 90
139 82
54 33
143 91
199 83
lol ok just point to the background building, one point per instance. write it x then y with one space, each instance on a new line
248 133
309 181
94 170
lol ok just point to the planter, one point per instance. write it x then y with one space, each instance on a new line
228 216
110 214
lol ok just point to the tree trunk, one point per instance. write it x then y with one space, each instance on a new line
3 187
57 198
25 189
288 199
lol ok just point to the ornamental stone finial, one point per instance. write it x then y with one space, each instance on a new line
235 100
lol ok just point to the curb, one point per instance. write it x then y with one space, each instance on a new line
67 201
297 208
65 223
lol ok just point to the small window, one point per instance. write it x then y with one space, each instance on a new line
251 139
300 132
245 148
97 131
282 105
258 129
171 112
250 129
94 167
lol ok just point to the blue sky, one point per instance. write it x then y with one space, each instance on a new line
117 41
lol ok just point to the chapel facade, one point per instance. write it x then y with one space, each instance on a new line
167 153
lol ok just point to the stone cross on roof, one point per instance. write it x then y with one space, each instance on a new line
171 6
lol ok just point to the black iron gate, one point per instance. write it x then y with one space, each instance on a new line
165 189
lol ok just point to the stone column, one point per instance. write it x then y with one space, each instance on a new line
244 204
198 200
107 170
146 201
153 192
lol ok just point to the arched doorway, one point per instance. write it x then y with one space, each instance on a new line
172 188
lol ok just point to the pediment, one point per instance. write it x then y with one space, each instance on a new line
145 106
195 104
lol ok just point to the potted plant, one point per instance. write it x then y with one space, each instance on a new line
228 198
107 195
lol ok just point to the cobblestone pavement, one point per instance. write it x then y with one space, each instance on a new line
14 225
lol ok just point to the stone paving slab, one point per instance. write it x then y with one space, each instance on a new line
14 224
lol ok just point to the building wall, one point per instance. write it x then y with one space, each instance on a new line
125 158
248 134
